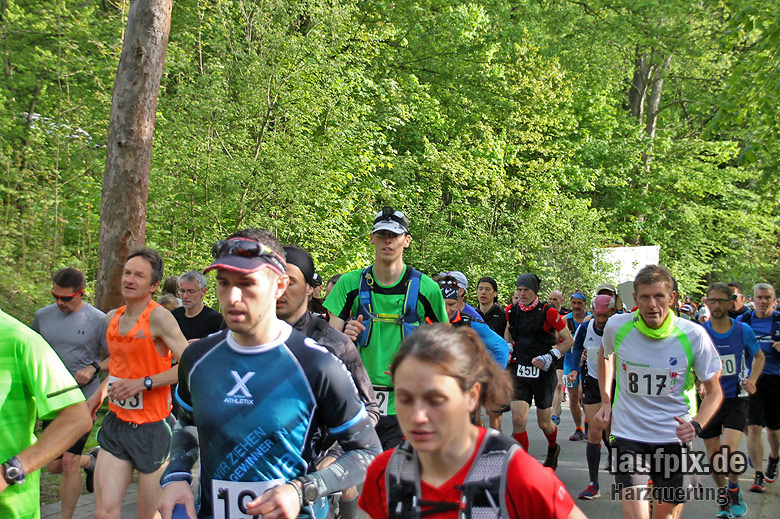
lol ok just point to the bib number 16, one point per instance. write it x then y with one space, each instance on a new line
231 498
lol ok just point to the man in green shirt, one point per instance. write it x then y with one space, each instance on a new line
33 383
381 304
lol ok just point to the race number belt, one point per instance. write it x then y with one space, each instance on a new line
133 403
382 394
230 498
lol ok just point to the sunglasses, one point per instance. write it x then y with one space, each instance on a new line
244 248
67 299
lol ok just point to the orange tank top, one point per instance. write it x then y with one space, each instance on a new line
134 355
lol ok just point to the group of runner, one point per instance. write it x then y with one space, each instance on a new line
284 407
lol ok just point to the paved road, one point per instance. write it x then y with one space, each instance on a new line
572 470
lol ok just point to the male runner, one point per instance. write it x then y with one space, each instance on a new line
463 286
256 399
736 344
383 303
195 319
739 307
556 300
33 383
292 307
764 410
489 310
571 362
532 325
143 337
655 354
76 331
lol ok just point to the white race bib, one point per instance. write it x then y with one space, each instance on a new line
133 403
568 383
729 363
637 380
382 398
524 371
230 498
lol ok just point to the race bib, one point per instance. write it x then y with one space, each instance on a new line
568 383
231 498
653 382
729 363
133 403
524 371
382 395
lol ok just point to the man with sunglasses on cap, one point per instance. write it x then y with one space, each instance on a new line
292 307
380 305
256 400
143 338
532 325
76 331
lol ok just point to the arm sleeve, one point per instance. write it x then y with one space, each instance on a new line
184 444
494 343
344 414
749 339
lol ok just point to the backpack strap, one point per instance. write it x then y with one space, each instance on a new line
402 483
364 306
484 489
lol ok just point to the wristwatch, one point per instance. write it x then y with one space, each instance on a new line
13 472
696 427
148 383
309 490
96 366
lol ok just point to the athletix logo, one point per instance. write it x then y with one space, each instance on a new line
246 396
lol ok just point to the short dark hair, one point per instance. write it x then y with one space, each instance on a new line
333 279
262 236
719 287
171 285
737 285
154 259
650 274
69 278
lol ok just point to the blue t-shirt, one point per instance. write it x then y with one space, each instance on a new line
260 413
767 331
736 348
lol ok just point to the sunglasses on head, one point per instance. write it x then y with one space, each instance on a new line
67 299
239 247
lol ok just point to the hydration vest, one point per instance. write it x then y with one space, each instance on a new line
483 492
748 317
465 320
528 333
408 320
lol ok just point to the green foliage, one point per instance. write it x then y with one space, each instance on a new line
502 129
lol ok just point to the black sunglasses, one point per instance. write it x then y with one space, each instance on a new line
244 248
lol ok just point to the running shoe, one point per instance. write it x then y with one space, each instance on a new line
578 435
758 484
723 511
90 471
771 470
736 503
552 456
556 419
592 492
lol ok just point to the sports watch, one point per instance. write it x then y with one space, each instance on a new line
13 472
309 490
148 383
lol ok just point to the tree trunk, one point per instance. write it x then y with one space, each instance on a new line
130 134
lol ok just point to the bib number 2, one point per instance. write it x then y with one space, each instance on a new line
382 399
231 498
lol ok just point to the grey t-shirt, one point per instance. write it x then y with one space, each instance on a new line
77 337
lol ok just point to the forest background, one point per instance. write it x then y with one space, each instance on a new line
516 135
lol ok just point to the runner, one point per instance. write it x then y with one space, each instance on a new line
556 299
449 468
255 399
588 340
195 319
143 338
292 307
532 324
463 285
494 316
574 319
736 344
764 410
76 331
656 354
739 307
33 383
379 305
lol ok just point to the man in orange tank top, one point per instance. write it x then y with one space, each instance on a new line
143 338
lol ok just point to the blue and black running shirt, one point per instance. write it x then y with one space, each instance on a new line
260 412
